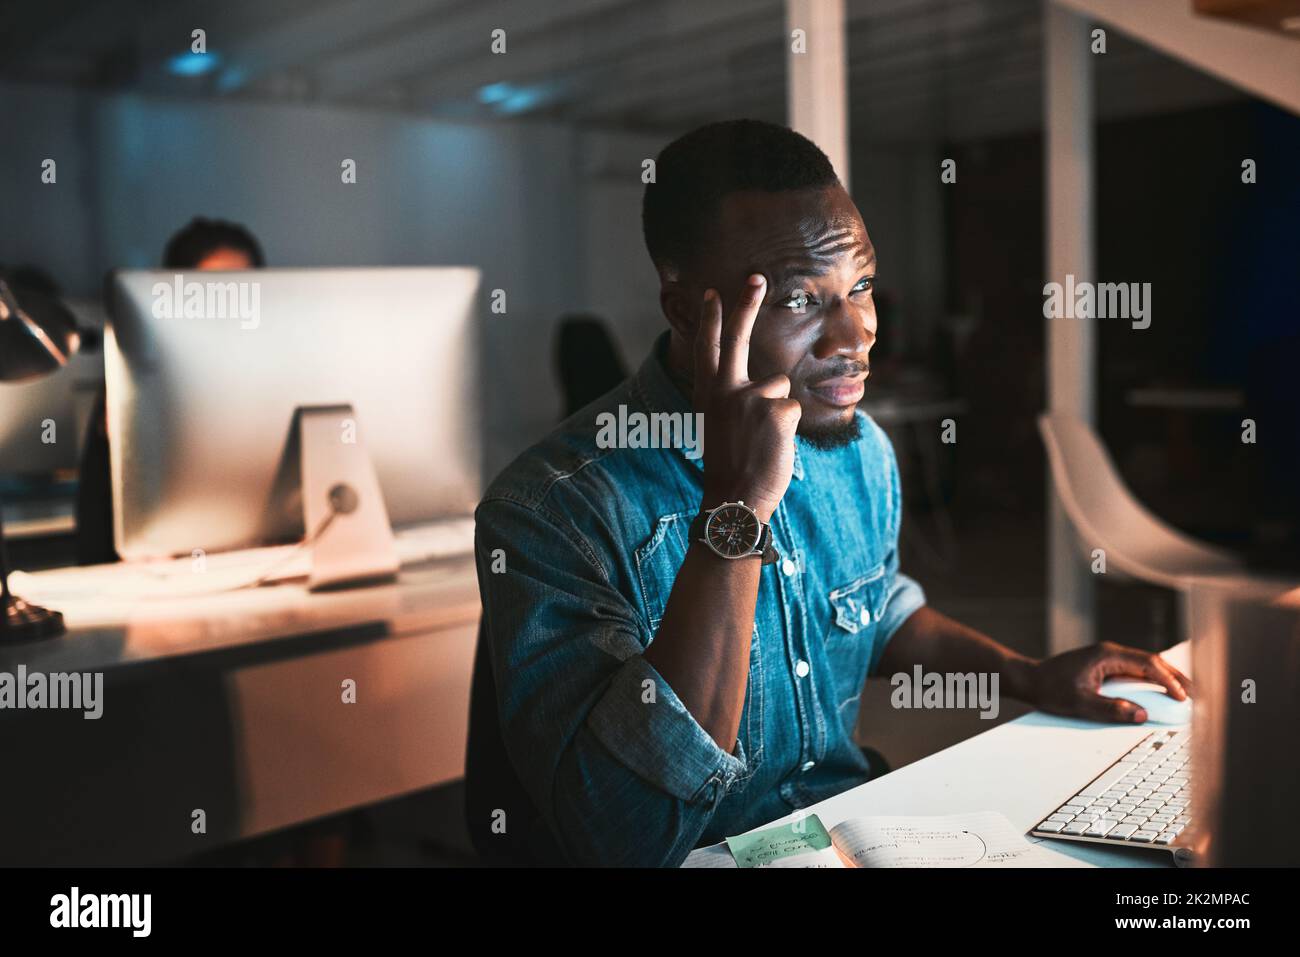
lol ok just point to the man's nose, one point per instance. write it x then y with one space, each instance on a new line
849 331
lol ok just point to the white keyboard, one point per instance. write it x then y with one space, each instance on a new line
1143 799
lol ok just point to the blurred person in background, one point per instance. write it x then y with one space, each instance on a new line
204 244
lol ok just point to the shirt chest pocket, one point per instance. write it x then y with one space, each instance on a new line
856 609
658 560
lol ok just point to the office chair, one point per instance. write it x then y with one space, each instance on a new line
1107 516
491 785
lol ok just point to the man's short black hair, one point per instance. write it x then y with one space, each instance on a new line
187 248
694 172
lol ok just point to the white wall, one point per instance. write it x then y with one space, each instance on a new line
522 201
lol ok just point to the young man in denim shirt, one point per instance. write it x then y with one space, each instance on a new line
679 642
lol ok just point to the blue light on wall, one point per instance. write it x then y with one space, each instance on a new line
521 101
495 93
193 64
508 99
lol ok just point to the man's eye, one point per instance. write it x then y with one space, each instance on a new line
864 284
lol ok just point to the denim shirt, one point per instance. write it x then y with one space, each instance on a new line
578 547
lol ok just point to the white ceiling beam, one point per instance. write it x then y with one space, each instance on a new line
1266 65
817 78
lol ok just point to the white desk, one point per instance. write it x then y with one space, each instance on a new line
1025 768
232 702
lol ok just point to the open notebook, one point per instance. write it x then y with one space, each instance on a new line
985 839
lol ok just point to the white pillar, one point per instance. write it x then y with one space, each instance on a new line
817 79
1071 345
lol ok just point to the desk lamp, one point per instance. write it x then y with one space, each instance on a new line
37 336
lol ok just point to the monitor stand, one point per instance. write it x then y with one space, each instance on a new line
344 515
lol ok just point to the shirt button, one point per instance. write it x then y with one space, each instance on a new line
788 567
801 668
808 766
865 617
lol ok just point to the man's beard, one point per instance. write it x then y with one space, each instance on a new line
828 437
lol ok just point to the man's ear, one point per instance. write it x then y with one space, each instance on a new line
680 307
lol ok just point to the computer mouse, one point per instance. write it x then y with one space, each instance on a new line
1159 706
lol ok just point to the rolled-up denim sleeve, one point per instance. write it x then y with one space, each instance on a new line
903 595
620 770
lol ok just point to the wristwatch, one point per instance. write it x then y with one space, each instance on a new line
733 530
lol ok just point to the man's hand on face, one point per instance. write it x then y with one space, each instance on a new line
749 427
1068 683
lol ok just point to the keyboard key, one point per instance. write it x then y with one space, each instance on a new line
1100 828
1051 826
1075 827
1122 831
1146 837
1103 783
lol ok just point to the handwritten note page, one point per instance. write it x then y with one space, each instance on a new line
984 839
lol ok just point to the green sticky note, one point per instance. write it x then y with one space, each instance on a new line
774 843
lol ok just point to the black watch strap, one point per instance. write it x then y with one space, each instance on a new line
765 545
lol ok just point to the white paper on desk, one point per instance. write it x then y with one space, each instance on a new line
983 839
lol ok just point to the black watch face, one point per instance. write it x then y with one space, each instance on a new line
733 531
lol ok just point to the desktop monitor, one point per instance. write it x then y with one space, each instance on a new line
206 373
1246 767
